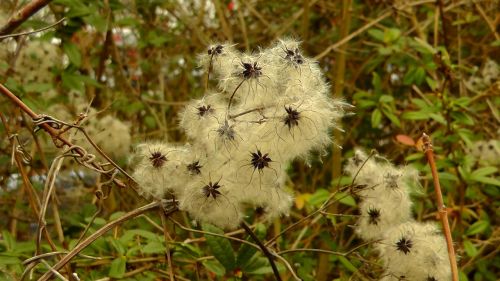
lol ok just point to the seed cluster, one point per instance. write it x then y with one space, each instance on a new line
410 250
268 109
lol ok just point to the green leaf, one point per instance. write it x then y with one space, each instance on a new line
377 83
260 265
73 53
118 267
345 262
154 247
415 115
394 119
221 247
345 199
470 249
377 34
116 215
391 35
376 118
131 234
485 171
385 99
318 197
215 267
72 81
488 180
37 87
9 260
477 227
9 241
438 117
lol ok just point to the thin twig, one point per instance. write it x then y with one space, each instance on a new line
22 15
101 232
443 214
167 246
33 31
53 132
265 250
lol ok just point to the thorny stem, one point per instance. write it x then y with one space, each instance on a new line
265 250
443 214
85 243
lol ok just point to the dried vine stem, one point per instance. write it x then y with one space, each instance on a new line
22 15
443 214
101 232
55 134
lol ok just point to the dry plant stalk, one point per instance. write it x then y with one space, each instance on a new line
443 214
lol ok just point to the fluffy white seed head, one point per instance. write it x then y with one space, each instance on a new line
161 169
270 109
415 250
213 201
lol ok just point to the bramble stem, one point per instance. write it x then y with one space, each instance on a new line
443 214
265 250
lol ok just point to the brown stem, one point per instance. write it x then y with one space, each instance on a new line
264 249
22 15
232 95
57 135
168 256
100 232
443 214
32 32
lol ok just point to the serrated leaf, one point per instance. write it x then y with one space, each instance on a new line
221 247
118 267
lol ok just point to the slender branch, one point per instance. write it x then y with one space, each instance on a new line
33 31
100 232
22 15
232 95
167 246
265 250
56 135
443 214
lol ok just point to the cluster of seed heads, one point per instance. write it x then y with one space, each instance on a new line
268 108
410 250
